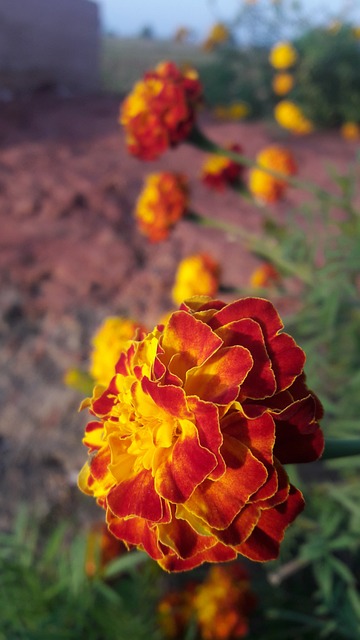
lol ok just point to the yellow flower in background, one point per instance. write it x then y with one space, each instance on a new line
264 276
289 115
264 186
283 55
219 34
282 83
196 275
350 131
356 32
219 172
162 202
235 111
223 603
108 343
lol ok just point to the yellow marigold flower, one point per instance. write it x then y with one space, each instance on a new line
283 55
264 186
187 444
289 115
196 275
162 202
218 172
264 276
350 131
219 34
110 340
223 602
282 83
356 32
238 110
160 111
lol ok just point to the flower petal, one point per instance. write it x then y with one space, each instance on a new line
258 309
135 531
218 553
136 497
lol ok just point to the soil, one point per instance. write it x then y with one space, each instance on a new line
71 255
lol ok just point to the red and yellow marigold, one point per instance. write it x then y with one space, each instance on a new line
197 275
264 186
219 172
188 442
111 338
264 276
223 602
160 111
162 202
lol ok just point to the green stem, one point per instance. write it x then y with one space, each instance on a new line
199 140
259 246
340 448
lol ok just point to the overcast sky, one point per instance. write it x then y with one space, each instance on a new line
127 17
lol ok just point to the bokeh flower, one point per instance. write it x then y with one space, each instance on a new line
264 276
350 131
196 275
160 111
101 548
283 55
161 203
262 185
282 83
356 32
289 115
175 611
188 442
219 172
223 602
111 338
234 111
219 34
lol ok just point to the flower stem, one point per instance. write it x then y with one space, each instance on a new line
335 448
201 141
260 246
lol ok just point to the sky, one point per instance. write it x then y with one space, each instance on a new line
127 17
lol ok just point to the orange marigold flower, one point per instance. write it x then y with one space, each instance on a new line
101 548
264 186
160 111
161 204
282 83
218 172
109 341
350 131
188 442
283 55
289 115
223 603
197 275
264 276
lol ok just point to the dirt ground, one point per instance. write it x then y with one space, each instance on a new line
70 255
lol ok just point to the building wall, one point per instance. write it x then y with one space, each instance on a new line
49 42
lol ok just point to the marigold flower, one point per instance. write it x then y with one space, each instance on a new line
264 276
289 115
282 83
175 612
283 55
196 275
218 172
101 548
188 442
223 603
264 186
238 110
219 34
160 111
161 204
350 131
109 341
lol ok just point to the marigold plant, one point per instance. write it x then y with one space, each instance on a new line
289 115
162 202
160 112
188 442
264 186
109 341
219 172
283 55
196 275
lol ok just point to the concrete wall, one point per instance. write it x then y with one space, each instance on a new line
49 42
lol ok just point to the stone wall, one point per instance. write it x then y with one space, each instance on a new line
49 43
